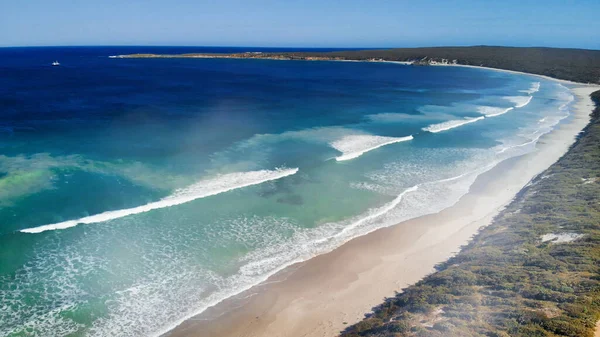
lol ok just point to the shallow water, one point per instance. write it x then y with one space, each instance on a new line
134 193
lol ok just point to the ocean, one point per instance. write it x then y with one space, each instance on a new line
135 193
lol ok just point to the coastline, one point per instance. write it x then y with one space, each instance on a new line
514 72
332 289
338 59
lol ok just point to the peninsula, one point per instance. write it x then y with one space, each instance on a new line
577 65
530 271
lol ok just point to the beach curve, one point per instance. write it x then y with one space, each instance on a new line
274 300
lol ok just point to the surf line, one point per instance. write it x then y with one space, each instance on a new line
519 101
354 146
201 189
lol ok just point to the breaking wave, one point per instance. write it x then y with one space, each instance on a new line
519 101
535 87
434 128
201 189
353 146
491 111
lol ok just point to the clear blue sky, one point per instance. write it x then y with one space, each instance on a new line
295 23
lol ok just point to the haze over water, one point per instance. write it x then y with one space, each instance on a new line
135 193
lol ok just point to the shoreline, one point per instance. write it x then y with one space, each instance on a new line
335 289
286 57
518 73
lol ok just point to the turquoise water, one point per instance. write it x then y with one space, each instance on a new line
136 193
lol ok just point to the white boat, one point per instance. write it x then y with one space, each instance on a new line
55 63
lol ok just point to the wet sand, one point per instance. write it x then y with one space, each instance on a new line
323 295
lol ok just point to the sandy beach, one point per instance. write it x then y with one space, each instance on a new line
322 296
512 72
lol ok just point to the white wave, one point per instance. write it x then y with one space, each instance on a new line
535 87
201 189
519 101
491 111
352 146
381 211
165 297
412 202
259 265
547 125
530 142
451 124
307 243
568 101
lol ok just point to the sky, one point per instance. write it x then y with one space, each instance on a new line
307 23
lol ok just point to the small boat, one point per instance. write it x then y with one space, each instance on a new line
55 63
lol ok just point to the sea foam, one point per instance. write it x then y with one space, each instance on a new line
352 146
535 87
201 189
434 128
491 111
568 101
544 125
381 211
175 291
519 101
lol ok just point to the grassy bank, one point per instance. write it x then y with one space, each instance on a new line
533 272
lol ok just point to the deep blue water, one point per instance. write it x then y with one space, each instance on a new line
223 171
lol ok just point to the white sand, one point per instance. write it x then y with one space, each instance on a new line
321 296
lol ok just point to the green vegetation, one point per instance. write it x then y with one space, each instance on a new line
577 65
507 281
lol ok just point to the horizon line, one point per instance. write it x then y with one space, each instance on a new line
285 47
